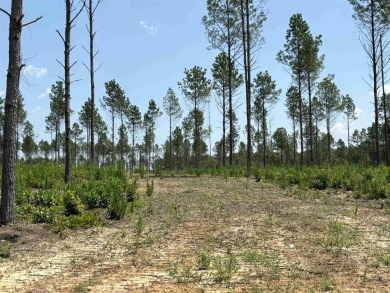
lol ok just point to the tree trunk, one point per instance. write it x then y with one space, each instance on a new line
8 188
384 104
310 120
113 138
67 66
170 140
92 76
375 79
264 126
300 109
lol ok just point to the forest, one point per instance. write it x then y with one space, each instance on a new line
101 203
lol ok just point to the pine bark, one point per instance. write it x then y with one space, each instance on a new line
7 212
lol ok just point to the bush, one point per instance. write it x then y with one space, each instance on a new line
72 203
320 180
131 191
45 215
117 207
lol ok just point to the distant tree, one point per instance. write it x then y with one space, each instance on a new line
76 135
318 114
266 96
280 138
57 113
312 66
177 143
44 148
349 112
29 147
134 119
372 19
223 30
293 57
123 144
291 103
85 117
173 110
330 96
224 84
150 118
196 88
110 103
123 108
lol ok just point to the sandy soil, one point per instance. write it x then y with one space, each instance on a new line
278 241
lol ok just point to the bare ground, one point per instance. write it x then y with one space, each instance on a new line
276 241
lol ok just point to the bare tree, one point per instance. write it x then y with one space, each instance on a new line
70 9
8 186
91 8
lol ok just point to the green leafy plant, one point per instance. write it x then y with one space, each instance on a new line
72 203
5 249
117 207
203 259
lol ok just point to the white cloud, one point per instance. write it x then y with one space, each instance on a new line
339 129
358 112
35 71
151 29
36 109
45 94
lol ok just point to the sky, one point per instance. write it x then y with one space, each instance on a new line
145 45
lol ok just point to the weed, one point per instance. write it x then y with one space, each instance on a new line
203 259
140 225
327 284
225 267
149 188
181 270
339 236
5 249
383 257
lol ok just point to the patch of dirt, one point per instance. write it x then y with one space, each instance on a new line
266 238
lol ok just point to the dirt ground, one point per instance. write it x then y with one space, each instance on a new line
211 235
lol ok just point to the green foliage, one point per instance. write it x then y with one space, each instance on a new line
45 215
5 249
225 267
131 190
149 188
117 206
203 259
87 219
72 203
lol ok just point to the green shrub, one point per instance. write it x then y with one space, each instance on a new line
72 203
320 180
131 190
5 249
45 215
117 207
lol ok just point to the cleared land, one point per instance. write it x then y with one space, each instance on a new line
211 235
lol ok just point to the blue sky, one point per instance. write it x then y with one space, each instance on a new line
145 45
